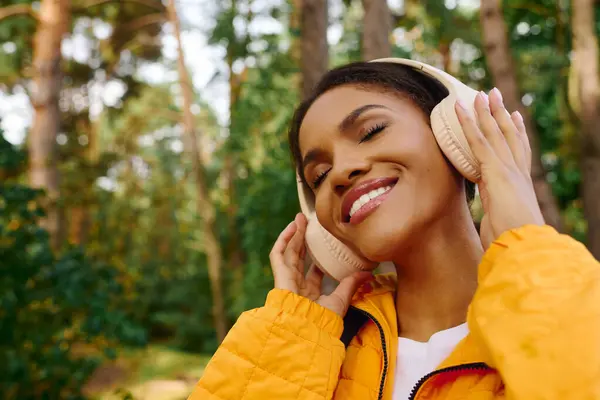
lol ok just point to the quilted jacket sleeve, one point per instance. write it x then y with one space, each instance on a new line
288 349
537 314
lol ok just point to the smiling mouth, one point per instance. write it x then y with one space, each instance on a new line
367 198
361 201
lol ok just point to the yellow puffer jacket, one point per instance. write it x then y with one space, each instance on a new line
534 334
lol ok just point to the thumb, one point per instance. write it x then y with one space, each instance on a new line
349 285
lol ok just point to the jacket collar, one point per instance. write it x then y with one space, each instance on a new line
381 303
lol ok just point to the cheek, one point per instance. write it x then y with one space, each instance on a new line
325 210
427 159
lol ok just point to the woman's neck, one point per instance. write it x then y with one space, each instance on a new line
437 280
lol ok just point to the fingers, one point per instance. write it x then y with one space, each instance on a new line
490 128
479 145
517 119
303 251
496 135
508 128
314 277
293 252
348 286
276 255
280 270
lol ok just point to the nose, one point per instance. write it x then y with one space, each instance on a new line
345 171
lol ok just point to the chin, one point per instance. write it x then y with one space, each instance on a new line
383 242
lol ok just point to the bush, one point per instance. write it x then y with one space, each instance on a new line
59 316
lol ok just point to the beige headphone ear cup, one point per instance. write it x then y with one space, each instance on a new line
444 121
451 138
330 255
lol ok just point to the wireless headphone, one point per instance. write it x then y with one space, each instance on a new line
331 255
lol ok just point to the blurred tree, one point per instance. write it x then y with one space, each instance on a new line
135 28
205 208
80 161
349 47
18 22
146 220
53 21
61 314
237 41
441 29
585 64
500 62
376 30
314 46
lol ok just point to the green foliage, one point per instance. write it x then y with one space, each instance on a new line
16 35
12 159
51 306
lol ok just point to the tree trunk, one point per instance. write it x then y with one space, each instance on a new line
501 65
314 47
79 223
54 18
446 54
377 28
79 212
234 248
204 207
585 46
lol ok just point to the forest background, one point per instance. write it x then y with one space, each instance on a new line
144 169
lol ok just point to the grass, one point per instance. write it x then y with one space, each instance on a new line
144 372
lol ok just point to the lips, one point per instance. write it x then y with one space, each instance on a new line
362 189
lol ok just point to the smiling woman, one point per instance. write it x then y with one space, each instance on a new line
385 153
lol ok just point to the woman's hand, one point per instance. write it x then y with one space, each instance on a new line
287 262
500 145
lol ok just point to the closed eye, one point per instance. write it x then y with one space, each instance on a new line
373 131
319 179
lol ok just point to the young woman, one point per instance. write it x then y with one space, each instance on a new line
512 313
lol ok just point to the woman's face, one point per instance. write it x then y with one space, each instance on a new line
379 178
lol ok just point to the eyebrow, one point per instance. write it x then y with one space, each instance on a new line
344 126
311 156
354 115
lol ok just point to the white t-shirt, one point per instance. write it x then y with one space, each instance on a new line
417 359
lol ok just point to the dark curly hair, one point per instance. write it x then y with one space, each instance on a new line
399 79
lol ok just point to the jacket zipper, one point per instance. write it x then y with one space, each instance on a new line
462 367
384 346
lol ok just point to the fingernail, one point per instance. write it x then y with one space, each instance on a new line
461 104
495 90
485 98
519 115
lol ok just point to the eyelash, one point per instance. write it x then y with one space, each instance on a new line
370 133
317 181
373 131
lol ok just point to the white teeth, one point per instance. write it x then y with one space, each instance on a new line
365 198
